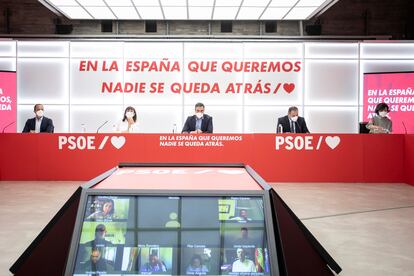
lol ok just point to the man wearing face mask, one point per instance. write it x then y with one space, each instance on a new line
198 123
292 122
39 123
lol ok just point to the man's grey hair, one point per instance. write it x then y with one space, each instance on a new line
292 108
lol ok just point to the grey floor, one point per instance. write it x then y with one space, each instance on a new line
367 228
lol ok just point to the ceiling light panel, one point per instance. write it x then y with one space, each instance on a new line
200 3
92 3
100 12
146 3
189 9
283 3
225 13
175 13
150 13
174 3
310 3
300 13
125 12
119 3
274 13
75 12
249 13
63 2
255 3
228 3
200 13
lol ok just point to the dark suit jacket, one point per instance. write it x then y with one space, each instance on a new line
206 124
45 126
300 125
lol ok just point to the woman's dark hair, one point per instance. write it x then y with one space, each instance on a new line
382 107
130 108
104 200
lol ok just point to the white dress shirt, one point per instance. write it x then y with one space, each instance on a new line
38 124
123 127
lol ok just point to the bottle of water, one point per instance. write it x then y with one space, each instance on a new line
280 128
83 128
174 128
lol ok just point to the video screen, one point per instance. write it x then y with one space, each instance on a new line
171 235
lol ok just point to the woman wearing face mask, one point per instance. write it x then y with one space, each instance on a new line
129 122
380 123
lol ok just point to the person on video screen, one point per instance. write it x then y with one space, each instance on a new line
96 263
196 266
244 239
99 241
242 264
106 210
154 265
242 216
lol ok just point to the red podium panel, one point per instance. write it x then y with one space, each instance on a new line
277 158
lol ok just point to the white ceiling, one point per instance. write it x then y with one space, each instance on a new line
189 9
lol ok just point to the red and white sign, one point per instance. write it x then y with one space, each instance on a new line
7 101
396 90
277 158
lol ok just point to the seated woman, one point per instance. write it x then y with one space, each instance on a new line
380 123
129 122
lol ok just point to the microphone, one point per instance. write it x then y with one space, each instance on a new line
4 128
405 129
97 131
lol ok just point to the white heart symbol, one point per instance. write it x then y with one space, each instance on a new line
118 142
332 141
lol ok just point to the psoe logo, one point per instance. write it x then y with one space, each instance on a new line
89 142
306 142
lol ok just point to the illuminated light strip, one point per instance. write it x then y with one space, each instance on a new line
64 8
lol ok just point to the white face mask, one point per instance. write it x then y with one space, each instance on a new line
39 113
295 118
129 114
383 113
199 115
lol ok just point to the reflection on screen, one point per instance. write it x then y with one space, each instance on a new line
148 235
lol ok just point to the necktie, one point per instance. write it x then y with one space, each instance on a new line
292 127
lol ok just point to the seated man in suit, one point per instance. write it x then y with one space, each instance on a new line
39 123
292 122
198 123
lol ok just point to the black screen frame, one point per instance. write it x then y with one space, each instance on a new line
263 194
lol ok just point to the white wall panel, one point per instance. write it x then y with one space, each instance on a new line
388 50
327 87
43 80
208 79
218 50
8 64
331 82
152 82
321 119
58 113
159 119
269 50
378 66
49 49
331 50
280 82
263 119
86 86
148 50
93 116
97 49
8 48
